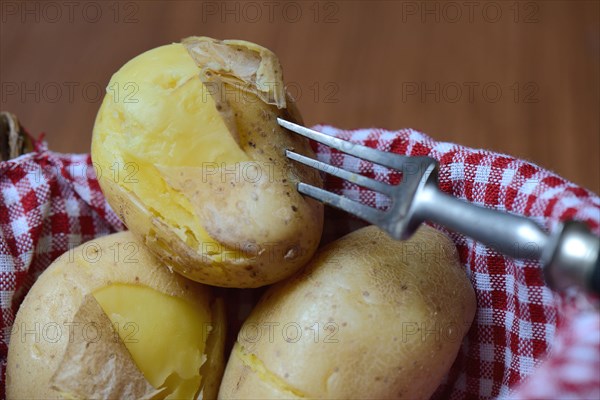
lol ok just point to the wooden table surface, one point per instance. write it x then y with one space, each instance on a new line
520 77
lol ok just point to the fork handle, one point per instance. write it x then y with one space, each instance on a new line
569 256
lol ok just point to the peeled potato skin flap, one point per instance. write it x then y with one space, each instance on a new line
112 306
369 317
193 161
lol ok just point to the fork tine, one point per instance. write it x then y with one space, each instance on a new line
367 213
389 160
342 173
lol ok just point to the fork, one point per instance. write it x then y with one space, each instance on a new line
570 256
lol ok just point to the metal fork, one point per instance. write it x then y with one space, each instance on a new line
569 256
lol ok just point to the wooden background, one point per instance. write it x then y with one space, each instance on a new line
515 77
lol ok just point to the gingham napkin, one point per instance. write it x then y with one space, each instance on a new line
526 342
49 203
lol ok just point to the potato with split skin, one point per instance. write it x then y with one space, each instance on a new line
108 320
368 318
188 152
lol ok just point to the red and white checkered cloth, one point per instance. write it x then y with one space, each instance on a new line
526 342
49 203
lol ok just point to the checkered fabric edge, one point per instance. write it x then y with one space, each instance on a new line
572 370
517 315
49 203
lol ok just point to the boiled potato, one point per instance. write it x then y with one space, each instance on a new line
368 318
107 320
188 152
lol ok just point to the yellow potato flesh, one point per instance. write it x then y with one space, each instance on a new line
157 108
165 335
268 377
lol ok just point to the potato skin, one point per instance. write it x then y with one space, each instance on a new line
57 294
390 318
272 230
